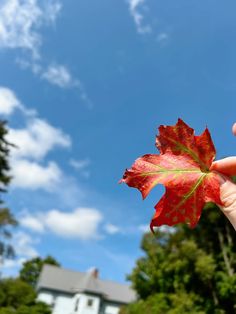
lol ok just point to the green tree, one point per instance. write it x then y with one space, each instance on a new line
189 270
38 308
15 292
6 218
31 269
18 297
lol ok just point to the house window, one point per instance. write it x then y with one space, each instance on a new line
76 305
53 301
90 302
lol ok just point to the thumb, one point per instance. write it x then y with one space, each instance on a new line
228 198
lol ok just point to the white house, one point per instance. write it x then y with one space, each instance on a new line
70 292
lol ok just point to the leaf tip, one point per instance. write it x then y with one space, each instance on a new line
152 227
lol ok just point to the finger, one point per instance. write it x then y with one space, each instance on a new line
225 165
228 198
234 128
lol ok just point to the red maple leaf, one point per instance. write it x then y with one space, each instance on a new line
183 168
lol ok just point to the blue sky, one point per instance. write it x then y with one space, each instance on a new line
84 85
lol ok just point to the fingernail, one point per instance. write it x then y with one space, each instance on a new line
213 165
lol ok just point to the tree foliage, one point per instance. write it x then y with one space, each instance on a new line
18 297
31 269
189 270
6 218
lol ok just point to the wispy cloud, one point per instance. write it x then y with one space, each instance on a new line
20 28
135 8
20 22
25 248
81 166
24 244
9 103
139 11
144 228
11 264
112 229
59 75
33 223
52 9
162 38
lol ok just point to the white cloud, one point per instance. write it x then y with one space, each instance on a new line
12 263
144 228
111 229
10 267
162 37
164 228
138 17
20 24
59 75
82 223
51 10
34 66
24 246
31 175
8 101
32 223
37 139
33 143
81 166
20 21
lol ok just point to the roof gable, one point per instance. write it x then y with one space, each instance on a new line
56 278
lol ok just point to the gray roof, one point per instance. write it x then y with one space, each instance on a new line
67 281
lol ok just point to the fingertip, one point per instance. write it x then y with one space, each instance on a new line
234 128
214 165
226 166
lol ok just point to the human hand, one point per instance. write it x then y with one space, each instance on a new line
227 166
